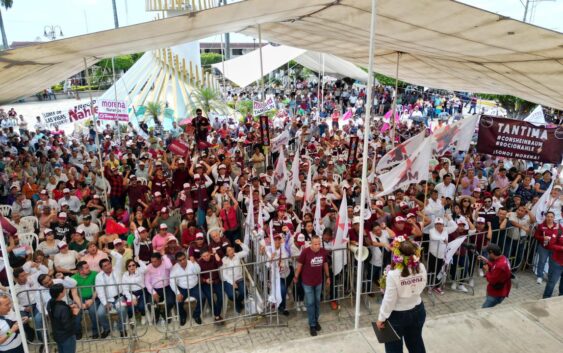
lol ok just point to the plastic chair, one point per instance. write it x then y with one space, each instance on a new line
30 224
5 210
28 239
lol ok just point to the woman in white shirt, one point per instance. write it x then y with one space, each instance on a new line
65 260
10 338
402 306
133 286
233 274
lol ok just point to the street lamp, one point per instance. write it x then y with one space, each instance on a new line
51 32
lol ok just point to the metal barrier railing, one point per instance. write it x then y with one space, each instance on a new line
95 322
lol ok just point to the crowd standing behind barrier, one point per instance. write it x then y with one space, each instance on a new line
148 237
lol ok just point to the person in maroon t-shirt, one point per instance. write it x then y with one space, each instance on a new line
311 264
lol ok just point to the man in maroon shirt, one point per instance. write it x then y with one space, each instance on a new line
210 282
311 264
137 193
498 275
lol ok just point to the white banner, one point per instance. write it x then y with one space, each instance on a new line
279 141
62 117
109 109
536 117
261 108
401 152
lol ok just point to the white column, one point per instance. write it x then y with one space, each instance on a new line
261 64
367 131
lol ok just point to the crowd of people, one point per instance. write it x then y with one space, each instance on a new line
124 223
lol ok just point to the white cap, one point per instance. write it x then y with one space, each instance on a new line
222 166
117 241
196 176
181 161
477 190
438 220
163 226
189 210
356 220
557 187
156 194
66 190
480 220
62 244
141 229
400 219
62 215
186 185
300 237
64 203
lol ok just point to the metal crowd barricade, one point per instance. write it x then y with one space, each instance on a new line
98 318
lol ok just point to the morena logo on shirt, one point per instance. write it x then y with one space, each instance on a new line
410 281
316 261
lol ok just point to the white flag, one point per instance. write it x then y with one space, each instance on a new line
274 296
308 190
281 174
457 135
451 248
413 170
401 152
249 224
293 183
543 205
279 141
339 256
536 117
317 220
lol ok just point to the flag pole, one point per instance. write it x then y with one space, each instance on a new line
263 95
394 109
13 294
365 163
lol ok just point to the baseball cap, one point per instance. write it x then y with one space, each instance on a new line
62 244
196 176
480 220
66 191
438 220
141 229
96 196
557 187
477 190
163 226
164 210
157 194
172 238
79 231
411 215
189 210
181 161
300 237
222 166
356 220
43 192
47 231
199 236
117 241
186 185
62 215
399 219
281 208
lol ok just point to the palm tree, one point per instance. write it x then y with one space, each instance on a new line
6 4
209 100
154 110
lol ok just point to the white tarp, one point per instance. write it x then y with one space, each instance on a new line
245 69
444 44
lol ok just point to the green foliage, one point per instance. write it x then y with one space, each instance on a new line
154 110
207 99
122 62
513 105
388 81
208 59
244 107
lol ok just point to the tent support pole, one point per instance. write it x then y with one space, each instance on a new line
394 109
95 122
15 301
322 85
223 65
365 161
319 81
261 63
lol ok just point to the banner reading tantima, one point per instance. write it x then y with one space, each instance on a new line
260 108
413 170
518 139
401 152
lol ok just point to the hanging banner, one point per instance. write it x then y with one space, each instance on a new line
113 110
352 150
264 130
179 147
519 139
260 108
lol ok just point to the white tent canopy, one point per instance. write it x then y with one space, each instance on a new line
244 70
444 44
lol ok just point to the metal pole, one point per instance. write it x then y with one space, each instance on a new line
394 110
365 162
115 20
526 10
15 301
322 86
223 68
95 122
261 63
319 81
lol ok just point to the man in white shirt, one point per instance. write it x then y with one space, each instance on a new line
42 297
184 279
434 207
232 273
72 201
45 201
446 188
109 293
91 230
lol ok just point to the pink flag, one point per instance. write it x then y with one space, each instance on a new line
347 115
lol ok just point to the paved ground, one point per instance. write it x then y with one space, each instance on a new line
253 334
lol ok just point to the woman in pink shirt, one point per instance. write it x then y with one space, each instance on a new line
160 239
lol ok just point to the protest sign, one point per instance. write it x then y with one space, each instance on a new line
114 110
260 108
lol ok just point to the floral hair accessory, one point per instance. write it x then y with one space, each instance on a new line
399 261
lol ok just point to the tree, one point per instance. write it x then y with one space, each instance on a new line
154 110
208 99
5 4
208 59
